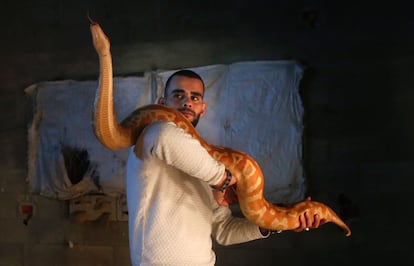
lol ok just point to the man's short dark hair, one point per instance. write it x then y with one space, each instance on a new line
183 72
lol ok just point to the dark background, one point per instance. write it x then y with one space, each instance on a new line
357 91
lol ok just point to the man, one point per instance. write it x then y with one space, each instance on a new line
173 213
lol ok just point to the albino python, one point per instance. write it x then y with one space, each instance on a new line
250 181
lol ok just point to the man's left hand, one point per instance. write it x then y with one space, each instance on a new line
307 222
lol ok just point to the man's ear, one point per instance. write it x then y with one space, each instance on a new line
203 109
161 100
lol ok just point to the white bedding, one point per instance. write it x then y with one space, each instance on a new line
254 107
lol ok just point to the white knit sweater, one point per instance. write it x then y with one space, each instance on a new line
172 213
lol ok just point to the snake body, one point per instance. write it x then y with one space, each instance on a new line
250 180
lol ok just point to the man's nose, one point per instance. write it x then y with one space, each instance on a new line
187 102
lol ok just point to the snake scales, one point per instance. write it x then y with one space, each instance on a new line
250 181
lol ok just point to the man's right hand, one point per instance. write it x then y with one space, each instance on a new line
230 195
227 197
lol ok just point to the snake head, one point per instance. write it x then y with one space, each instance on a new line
100 40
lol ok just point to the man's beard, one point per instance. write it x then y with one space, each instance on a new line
196 116
195 121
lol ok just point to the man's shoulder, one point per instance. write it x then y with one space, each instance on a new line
163 132
161 127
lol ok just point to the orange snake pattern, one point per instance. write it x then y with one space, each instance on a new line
250 180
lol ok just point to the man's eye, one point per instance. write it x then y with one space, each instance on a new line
178 96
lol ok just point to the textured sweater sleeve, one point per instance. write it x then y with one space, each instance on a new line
229 230
169 143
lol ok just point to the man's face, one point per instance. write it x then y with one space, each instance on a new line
186 95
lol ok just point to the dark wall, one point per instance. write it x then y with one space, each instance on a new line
357 91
